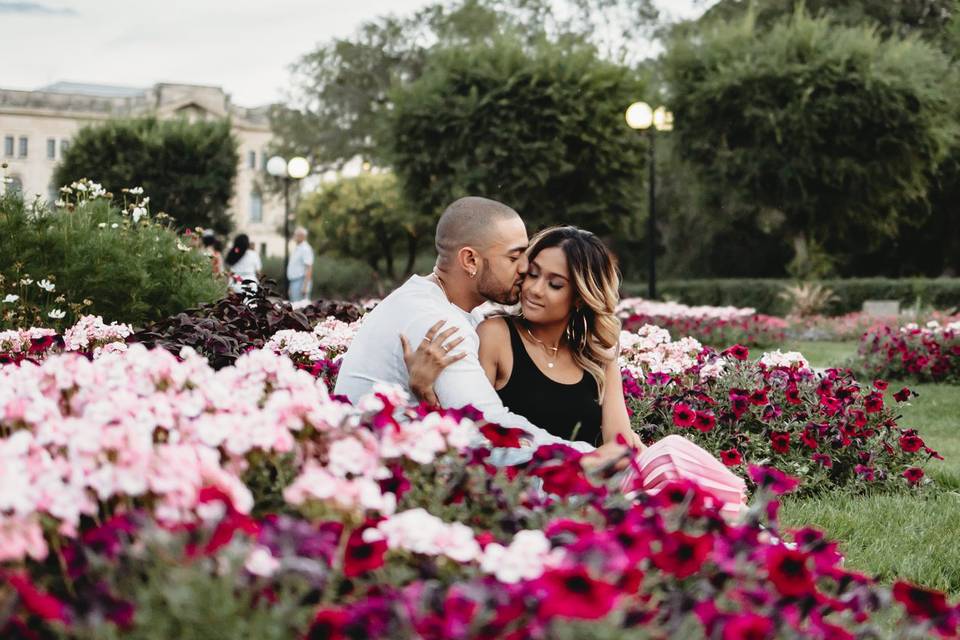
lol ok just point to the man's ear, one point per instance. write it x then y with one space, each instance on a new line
468 259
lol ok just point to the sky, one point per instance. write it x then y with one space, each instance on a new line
244 46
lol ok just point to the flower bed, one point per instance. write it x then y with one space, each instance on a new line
716 326
134 488
852 326
827 429
928 353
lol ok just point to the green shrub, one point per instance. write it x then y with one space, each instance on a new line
763 293
188 168
92 250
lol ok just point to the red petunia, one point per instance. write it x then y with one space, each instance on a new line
880 385
780 441
772 478
748 626
911 443
903 395
793 395
873 403
913 475
809 437
920 602
739 404
705 421
361 556
683 415
507 437
759 398
731 457
564 479
788 571
36 601
738 352
682 555
572 593
823 460
328 625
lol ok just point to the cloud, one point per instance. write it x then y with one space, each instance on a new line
35 8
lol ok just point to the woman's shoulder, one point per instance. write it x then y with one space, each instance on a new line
494 327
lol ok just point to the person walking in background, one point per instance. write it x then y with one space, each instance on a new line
300 268
244 264
212 248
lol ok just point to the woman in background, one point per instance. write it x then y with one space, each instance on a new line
244 265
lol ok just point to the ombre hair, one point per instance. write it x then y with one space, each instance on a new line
594 329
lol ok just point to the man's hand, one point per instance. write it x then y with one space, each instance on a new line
609 453
430 359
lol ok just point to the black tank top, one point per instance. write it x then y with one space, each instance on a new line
551 405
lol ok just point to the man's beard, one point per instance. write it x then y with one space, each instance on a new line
494 291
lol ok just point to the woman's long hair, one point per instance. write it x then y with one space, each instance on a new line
594 329
240 245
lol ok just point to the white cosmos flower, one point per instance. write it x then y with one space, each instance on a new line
138 212
79 186
135 190
11 298
182 246
114 225
60 203
26 281
56 314
46 285
102 225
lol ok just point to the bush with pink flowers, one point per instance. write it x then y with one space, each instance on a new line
125 512
715 326
827 429
928 353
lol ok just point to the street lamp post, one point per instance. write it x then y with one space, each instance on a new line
297 169
642 118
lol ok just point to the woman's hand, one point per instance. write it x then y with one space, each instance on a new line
431 357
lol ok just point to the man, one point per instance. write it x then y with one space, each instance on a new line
300 267
481 257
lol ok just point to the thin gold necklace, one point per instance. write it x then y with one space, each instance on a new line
546 347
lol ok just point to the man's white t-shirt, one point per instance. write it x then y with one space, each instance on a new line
300 261
376 356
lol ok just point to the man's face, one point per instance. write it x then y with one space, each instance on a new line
504 263
299 237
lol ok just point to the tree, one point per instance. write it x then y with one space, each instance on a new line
341 90
542 131
834 127
187 168
365 218
929 19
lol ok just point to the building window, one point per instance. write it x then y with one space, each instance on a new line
8 146
23 147
64 145
256 206
51 148
252 159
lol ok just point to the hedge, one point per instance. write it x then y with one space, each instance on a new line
762 293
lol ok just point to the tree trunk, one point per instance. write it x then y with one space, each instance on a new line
411 255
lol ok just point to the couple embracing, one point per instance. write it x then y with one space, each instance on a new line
550 369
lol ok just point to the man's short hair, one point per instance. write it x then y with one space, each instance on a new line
470 222
300 229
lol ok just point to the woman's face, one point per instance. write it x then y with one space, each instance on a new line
547 293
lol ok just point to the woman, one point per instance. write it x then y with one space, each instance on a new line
244 264
556 363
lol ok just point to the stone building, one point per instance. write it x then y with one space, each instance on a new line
36 128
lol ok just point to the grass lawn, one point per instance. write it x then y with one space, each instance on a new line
893 536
